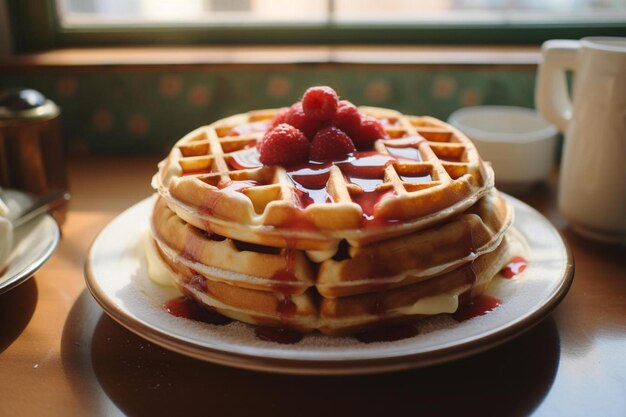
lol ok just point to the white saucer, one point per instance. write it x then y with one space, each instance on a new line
33 243
116 275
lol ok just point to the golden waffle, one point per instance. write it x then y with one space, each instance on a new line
420 255
308 311
234 262
357 313
425 172
381 265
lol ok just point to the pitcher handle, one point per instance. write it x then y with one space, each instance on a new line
552 98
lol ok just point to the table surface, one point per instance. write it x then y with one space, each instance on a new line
61 355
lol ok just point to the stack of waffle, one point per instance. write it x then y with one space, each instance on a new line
410 228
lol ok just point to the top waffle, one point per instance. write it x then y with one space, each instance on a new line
424 172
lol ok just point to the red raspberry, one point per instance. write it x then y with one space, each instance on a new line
284 145
347 117
320 103
331 143
280 117
368 132
298 119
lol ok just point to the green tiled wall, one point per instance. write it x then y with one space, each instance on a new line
147 110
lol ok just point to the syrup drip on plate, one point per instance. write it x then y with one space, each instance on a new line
186 308
479 306
514 268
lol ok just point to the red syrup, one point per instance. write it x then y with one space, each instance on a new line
368 202
479 306
367 170
288 273
365 164
514 268
286 307
388 334
310 181
187 308
278 335
245 159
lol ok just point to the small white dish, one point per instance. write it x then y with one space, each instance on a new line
33 243
519 144
117 277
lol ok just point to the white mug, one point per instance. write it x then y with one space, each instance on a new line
592 185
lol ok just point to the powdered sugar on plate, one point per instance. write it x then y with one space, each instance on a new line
117 277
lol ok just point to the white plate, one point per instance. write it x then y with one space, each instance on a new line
116 275
33 243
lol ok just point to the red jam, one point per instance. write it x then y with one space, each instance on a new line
514 268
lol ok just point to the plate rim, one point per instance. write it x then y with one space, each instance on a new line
398 362
26 273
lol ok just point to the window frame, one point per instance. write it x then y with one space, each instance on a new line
35 27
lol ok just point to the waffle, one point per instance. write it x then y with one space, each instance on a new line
425 172
308 311
391 263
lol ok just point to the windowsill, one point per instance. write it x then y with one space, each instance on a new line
389 55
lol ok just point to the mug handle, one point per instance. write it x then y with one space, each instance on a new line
552 98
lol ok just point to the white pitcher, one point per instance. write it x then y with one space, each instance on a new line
592 187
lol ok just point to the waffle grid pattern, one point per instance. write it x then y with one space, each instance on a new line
429 167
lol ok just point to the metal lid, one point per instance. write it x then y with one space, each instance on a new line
25 105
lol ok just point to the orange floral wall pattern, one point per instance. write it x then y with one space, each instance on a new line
134 110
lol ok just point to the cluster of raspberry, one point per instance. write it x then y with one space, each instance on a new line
320 127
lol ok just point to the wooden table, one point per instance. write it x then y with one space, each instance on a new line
60 355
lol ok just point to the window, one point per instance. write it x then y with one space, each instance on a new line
117 22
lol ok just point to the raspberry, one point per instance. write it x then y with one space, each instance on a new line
280 117
320 103
331 143
284 145
298 119
368 132
347 117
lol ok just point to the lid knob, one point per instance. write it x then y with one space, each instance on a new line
21 99
25 105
